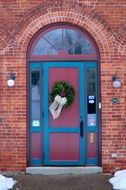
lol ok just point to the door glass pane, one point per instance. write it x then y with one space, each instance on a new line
75 43
62 40
91 96
70 38
85 46
54 37
69 117
35 97
44 48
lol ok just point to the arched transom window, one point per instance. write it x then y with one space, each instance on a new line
63 41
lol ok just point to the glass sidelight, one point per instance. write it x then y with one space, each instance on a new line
92 115
91 96
35 98
35 117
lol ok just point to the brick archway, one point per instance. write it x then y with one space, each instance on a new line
46 51
94 27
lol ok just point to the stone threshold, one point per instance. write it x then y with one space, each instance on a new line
63 170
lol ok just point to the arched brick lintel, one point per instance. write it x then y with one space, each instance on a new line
94 27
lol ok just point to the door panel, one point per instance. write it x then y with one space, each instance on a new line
62 136
64 146
70 116
36 145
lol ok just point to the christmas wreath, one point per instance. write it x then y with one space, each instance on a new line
63 89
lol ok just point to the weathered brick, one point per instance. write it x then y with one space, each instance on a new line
19 22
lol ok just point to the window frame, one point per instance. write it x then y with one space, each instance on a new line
62 56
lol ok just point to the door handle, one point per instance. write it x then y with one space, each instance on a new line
81 128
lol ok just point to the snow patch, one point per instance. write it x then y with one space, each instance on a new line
119 180
6 183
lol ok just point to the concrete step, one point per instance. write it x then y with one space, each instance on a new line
63 170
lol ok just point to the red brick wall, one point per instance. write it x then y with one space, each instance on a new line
19 21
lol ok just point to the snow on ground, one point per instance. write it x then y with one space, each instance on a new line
119 180
6 183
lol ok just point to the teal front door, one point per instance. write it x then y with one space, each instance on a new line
72 137
64 145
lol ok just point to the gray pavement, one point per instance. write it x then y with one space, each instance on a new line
63 182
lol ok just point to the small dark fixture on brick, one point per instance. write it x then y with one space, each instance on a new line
116 82
11 79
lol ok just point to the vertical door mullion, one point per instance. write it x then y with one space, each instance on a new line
45 104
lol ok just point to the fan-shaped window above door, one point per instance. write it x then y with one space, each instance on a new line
63 40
